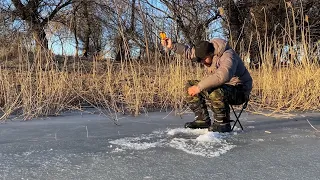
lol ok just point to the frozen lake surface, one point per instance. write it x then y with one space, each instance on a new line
154 146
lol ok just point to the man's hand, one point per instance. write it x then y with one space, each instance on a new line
167 43
193 90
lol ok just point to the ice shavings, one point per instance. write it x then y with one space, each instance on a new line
210 137
258 140
193 141
191 132
139 143
117 150
236 129
181 131
200 148
207 144
127 143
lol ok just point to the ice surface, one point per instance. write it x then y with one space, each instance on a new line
193 141
63 148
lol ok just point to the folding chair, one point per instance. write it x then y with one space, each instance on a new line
244 106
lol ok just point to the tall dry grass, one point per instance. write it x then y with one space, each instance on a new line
44 88
288 78
37 89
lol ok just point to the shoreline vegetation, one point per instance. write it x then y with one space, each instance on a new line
48 86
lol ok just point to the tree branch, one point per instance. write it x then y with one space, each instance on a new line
156 8
55 11
215 17
20 9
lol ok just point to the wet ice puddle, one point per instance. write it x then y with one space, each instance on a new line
192 141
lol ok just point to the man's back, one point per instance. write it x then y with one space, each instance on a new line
229 68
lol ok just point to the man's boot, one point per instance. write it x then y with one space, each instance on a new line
220 127
221 121
202 118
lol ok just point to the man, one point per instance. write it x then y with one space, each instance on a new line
229 82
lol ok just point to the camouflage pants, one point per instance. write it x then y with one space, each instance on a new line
217 99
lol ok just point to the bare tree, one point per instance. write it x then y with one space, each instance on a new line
127 27
257 23
87 27
253 24
193 18
36 14
126 21
307 15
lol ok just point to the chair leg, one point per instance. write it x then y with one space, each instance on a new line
237 116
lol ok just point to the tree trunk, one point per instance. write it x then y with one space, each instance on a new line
120 49
86 45
75 32
39 35
87 30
